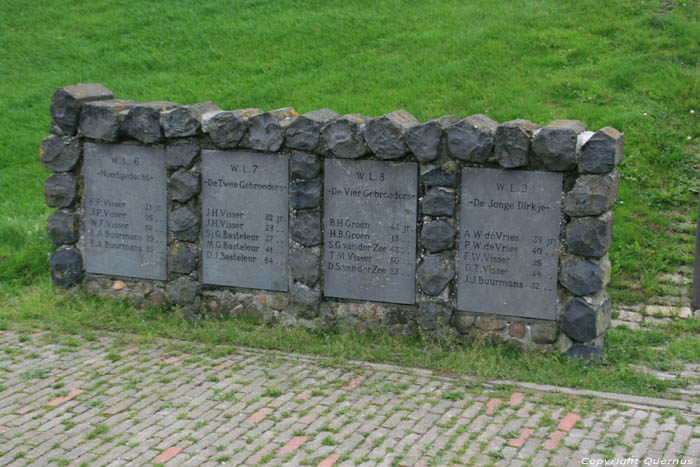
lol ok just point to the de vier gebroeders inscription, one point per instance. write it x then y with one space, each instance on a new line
370 230
125 211
509 235
244 219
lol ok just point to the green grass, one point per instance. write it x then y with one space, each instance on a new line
629 64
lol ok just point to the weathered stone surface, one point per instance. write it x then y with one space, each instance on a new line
463 321
581 276
590 236
544 333
181 153
584 321
305 194
103 120
344 136
266 130
472 139
512 144
183 258
67 101
62 227
305 266
592 195
517 330
490 323
66 267
385 135
437 236
438 202
183 185
142 121
563 343
305 131
434 315
302 294
226 129
306 228
183 291
445 175
592 352
60 190
424 139
304 165
602 151
185 120
555 145
60 154
184 224
434 273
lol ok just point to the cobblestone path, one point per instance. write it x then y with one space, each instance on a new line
102 401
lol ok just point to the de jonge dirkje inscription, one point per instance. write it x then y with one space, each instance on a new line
244 219
125 211
509 235
370 230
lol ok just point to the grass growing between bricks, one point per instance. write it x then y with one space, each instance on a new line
41 307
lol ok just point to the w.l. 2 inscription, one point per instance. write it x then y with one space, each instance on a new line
244 219
124 224
509 235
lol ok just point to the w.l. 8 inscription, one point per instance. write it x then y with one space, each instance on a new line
244 219
509 235
124 224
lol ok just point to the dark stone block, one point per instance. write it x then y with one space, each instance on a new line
303 295
60 154
434 315
592 195
142 121
304 165
266 130
103 120
424 139
306 228
438 202
602 151
512 146
305 194
305 266
585 321
581 276
183 185
305 131
66 267
344 136
385 135
591 352
463 322
472 139
445 175
184 224
437 236
555 145
182 153
66 104
226 129
183 291
434 273
590 236
60 190
183 258
185 120
62 227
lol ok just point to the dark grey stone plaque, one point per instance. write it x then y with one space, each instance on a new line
126 203
370 230
509 235
244 219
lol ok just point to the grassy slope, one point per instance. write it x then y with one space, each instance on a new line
629 64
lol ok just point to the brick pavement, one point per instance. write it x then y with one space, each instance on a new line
104 401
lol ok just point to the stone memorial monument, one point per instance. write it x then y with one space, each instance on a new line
448 228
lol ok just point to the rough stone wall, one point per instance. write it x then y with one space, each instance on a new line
441 147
